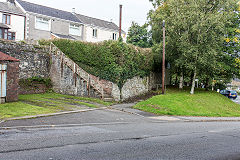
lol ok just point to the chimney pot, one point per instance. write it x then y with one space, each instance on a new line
73 10
11 1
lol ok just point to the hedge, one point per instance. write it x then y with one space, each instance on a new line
115 61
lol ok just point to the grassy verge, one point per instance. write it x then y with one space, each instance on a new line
19 109
180 102
47 103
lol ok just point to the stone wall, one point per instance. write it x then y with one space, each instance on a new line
68 78
65 81
34 59
139 85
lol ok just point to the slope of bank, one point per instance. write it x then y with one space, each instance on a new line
181 103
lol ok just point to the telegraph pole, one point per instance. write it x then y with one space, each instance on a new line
163 60
120 21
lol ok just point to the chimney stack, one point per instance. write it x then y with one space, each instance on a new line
11 1
120 22
73 11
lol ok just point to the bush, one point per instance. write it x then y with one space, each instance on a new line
115 61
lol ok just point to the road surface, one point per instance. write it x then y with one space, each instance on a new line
114 135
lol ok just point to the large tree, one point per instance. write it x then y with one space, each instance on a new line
195 33
139 35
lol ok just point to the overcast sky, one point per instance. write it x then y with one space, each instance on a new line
133 10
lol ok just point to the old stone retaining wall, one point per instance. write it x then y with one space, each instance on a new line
34 59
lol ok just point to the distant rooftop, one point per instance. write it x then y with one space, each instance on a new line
48 11
63 36
10 8
98 22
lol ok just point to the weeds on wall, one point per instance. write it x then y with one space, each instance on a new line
115 61
36 80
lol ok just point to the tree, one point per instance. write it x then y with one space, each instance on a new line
195 31
139 35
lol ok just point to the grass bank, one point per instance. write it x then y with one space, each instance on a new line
181 103
35 104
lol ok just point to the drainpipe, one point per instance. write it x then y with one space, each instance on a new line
25 21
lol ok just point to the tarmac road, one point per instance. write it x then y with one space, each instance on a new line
237 100
115 135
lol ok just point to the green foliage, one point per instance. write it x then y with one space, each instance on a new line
33 80
139 36
34 104
111 60
195 33
44 42
179 102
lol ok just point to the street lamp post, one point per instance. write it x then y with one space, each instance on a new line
163 60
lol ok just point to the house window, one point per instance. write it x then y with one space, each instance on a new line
11 36
42 24
114 36
6 19
95 33
74 30
5 34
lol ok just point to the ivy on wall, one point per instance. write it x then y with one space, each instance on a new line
115 61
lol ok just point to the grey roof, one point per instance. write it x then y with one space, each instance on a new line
4 26
64 36
48 11
10 8
98 22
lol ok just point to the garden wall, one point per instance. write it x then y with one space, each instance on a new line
66 81
34 59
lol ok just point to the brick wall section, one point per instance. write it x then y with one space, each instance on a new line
12 81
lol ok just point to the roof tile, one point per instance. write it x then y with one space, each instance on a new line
48 11
5 57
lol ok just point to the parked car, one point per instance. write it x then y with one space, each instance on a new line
229 93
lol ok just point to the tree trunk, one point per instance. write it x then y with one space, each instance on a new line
181 82
176 79
207 84
192 74
193 81
170 80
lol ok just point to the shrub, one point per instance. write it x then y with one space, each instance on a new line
115 61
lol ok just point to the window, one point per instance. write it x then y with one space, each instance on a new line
11 36
74 30
5 34
1 33
114 36
42 24
6 19
95 33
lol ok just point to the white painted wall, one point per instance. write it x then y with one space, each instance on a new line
17 25
102 34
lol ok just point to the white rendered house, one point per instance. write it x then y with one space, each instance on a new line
12 22
97 30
